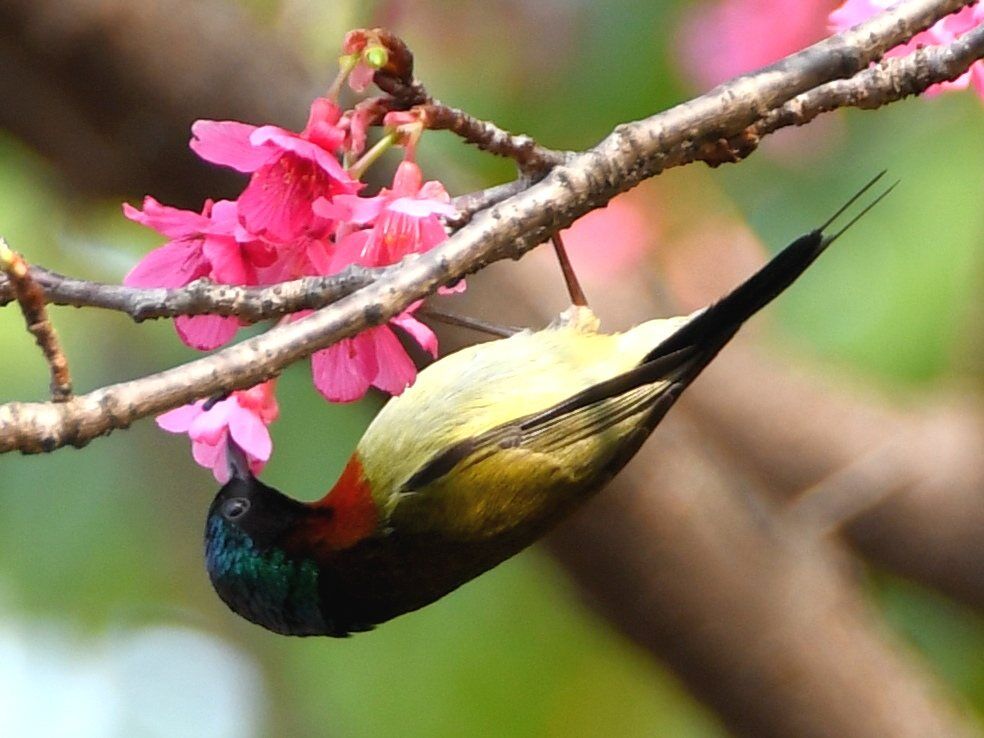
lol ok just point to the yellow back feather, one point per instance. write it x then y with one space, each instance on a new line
482 387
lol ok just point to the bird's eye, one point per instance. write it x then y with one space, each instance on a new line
235 508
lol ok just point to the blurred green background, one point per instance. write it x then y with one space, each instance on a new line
106 613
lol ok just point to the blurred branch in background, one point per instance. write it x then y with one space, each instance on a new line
694 553
777 637
77 76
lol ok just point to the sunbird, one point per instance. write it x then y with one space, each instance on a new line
482 455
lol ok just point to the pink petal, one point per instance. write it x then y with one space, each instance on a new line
319 254
174 264
352 208
352 249
206 332
277 201
396 369
210 425
172 222
344 372
259 253
407 179
455 289
324 112
226 259
432 233
227 143
223 219
251 434
361 77
294 144
260 400
179 419
434 190
424 336
416 208
322 128
213 456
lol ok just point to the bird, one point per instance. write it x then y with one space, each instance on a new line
491 447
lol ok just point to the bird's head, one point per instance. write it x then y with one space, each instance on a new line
267 554
250 568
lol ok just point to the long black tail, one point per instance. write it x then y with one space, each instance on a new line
683 355
717 323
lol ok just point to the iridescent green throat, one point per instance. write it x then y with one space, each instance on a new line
263 585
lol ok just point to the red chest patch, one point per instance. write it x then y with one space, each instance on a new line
345 516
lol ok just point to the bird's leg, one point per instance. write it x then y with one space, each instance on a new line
465 321
215 399
573 286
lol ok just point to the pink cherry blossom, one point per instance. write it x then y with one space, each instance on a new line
208 244
290 170
944 31
722 39
344 371
243 416
404 220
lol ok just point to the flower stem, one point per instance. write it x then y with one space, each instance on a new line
370 157
346 64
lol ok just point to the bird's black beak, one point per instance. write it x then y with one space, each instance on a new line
237 461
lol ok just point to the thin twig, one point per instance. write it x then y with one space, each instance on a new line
396 79
530 157
30 297
474 202
466 321
201 297
570 277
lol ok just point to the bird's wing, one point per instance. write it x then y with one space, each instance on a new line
663 373
650 387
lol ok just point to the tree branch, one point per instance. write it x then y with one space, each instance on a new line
891 80
633 152
31 298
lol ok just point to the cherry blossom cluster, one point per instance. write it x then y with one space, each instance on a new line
302 213
725 38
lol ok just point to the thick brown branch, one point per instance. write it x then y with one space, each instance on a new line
252 304
891 80
630 154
